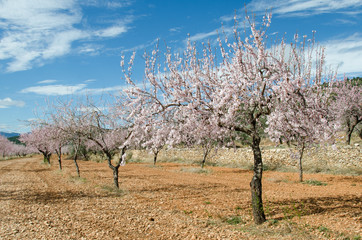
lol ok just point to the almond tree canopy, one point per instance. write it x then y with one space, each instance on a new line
229 92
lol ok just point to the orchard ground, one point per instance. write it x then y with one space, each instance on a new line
171 201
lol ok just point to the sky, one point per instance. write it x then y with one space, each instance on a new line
51 49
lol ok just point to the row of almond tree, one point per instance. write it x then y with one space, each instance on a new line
244 87
11 149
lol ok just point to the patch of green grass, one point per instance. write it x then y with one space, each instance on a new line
207 202
154 166
238 208
326 232
314 182
187 212
273 221
196 170
135 160
99 158
321 168
113 190
323 229
234 220
271 167
295 210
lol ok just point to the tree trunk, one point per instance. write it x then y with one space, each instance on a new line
206 152
76 157
301 151
256 184
76 164
115 176
114 168
115 171
59 153
351 124
46 156
349 135
155 154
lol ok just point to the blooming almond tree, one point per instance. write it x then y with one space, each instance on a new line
234 89
5 146
304 118
98 126
40 138
8 148
109 134
66 118
348 105
154 138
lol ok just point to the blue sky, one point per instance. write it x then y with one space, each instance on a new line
59 49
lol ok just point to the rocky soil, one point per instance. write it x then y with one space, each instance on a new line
171 201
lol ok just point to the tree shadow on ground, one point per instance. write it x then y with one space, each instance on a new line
45 197
341 205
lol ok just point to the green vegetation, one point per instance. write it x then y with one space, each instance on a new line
15 139
234 220
314 182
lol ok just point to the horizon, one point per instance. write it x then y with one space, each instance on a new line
53 50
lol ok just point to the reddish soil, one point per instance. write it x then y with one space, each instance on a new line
171 201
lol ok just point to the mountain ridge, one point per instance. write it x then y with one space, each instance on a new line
9 134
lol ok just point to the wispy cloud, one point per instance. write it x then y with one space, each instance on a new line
210 35
175 29
96 91
303 7
90 80
54 90
8 102
202 36
141 46
108 4
47 81
34 33
111 31
4 126
61 90
345 53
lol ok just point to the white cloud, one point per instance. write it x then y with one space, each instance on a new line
103 90
108 4
8 102
4 126
33 32
211 35
111 31
54 90
47 81
61 44
59 90
345 53
141 46
90 80
201 36
175 29
90 49
303 7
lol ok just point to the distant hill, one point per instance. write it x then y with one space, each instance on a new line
15 139
7 135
